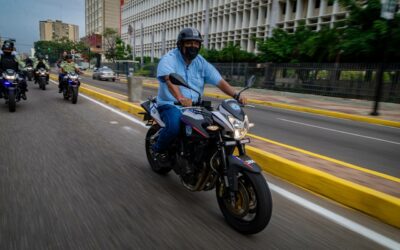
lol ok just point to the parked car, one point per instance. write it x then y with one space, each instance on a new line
104 73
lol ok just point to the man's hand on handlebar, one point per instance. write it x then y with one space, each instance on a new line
242 100
186 102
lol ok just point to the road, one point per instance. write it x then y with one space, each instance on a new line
370 146
76 177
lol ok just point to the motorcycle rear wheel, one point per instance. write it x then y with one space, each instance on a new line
65 93
252 210
150 140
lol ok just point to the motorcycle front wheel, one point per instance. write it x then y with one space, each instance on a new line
151 139
74 95
11 101
42 84
251 211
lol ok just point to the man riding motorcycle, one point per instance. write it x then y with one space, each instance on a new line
66 67
10 61
185 61
28 62
40 63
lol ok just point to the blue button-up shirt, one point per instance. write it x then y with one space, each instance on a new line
196 74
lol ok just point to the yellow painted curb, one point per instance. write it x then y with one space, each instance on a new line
372 202
126 106
342 163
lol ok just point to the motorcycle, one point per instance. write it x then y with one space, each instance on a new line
29 72
203 156
11 91
42 76
71 88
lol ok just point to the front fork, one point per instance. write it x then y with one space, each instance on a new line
230 173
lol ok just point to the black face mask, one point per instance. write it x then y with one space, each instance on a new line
191 53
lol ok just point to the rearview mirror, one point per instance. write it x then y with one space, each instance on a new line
176 79
250 81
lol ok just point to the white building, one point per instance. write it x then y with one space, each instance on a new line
236 21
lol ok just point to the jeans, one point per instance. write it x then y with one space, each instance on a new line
171 116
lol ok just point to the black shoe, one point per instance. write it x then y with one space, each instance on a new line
23 96
59 90
161 157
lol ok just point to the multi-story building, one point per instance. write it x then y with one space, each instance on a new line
101 14
236 21
53 30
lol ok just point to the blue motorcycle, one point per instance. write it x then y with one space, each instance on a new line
71 87
10 88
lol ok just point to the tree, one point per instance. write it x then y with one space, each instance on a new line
360 38
122 51
230 53
110 43
54 49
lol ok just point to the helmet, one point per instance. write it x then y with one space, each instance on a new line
39 56
68 56
8 45
188 34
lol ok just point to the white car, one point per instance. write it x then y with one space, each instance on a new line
104 73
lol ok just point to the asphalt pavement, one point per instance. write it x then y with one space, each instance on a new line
76 177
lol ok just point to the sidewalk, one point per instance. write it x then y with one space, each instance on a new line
371 192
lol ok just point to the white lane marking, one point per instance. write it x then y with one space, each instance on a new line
130 130
339 131
111 109
116 111
357 228
338 219
114 122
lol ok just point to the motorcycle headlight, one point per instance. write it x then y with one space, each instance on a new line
240 128
10 78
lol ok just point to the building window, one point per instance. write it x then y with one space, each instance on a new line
317 4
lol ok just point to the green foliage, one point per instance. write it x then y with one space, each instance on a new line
230 53
142 72
122 51
110 37
362 37
54 49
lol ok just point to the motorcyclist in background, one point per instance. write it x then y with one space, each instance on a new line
40 63
67 66
10 61
28 62
59 62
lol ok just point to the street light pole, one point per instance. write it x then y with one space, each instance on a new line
388 9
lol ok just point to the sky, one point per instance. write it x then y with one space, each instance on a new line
19 19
